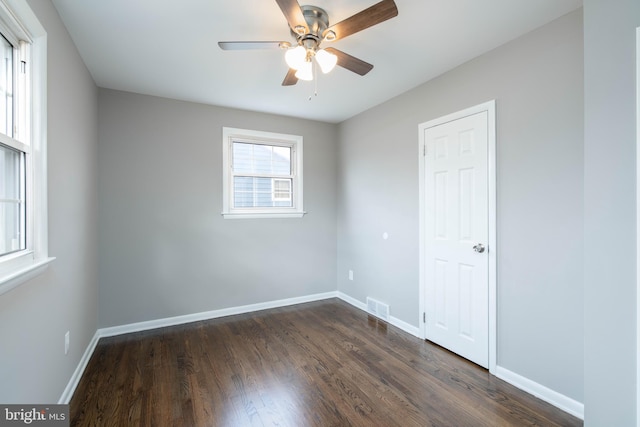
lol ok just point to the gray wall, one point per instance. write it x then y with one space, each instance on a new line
537 83
165 250
35 315
610 211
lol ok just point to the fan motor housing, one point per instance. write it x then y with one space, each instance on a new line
317 22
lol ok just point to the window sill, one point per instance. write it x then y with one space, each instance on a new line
23 274
256 215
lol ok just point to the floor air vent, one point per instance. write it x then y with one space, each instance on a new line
378 309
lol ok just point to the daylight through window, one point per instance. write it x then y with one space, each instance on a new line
12 201
257 169
263 174
14 148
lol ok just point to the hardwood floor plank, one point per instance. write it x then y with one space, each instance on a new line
317 364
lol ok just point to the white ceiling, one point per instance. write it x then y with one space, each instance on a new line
169 48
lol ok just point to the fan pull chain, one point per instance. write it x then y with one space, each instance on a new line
315 90
315 81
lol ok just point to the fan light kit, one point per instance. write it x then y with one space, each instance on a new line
309 25
300 58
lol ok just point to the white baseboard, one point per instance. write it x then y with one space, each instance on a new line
400 324
558 400
213 314
67 394
354 302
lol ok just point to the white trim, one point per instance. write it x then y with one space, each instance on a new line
262 215
560 401
179 320
638 226
354 302
39 145
552 397
14 143
556 399
28 272
400 324
15 24
67 394
213 314
16 270
492 171
295 142
490 108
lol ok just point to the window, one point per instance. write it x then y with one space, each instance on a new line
23 202
262 174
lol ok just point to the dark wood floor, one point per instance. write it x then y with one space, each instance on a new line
317 364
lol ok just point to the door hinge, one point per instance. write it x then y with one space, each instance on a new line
424 317
424 150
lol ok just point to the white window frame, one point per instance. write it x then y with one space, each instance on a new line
18 22
231 135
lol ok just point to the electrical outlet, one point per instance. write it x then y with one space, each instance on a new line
350 274
66 343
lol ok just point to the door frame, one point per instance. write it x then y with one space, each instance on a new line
637 226
490 108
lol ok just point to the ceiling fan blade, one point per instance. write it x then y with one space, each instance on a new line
379 12
293 13
349 62
290 79
253 45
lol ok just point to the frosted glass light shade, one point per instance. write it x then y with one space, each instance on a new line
296 58
305 72
326 60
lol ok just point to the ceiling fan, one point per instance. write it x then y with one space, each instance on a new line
310 27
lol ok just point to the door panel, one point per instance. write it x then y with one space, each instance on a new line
456 210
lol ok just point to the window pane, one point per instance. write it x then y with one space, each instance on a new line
256 192
6 87
282 190
242 157
282 160
10 166
261 159
10 240
12 206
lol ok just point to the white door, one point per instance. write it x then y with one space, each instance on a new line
456 227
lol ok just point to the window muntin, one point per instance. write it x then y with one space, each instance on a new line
263 174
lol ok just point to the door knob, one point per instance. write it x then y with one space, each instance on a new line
479 248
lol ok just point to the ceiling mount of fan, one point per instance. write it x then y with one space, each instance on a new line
317 22
309 25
